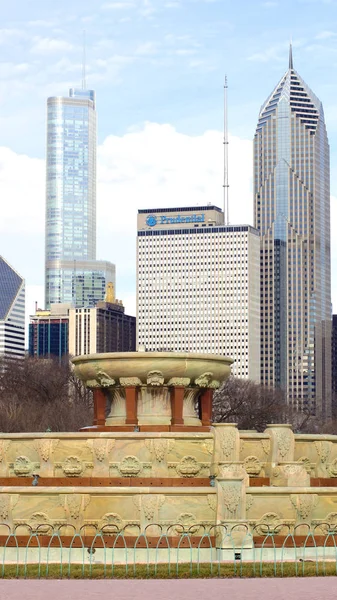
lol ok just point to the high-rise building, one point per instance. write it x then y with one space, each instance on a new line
71 202
105 328
12 311
198 285
292 213
49 332
334 365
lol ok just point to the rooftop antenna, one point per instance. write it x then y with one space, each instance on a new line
225 141
291 64
84 82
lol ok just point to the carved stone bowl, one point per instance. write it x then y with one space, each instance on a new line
152 377
150 366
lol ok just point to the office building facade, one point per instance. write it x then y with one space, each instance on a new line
198 285
105 328
292 213
12 312
334 365
49 332
70 246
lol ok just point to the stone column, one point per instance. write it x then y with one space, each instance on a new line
206 398
177 403
99 406
131 405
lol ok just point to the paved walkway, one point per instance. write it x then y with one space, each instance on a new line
314 588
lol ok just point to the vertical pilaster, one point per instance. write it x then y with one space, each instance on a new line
177 403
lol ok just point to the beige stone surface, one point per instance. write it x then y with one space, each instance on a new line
118 365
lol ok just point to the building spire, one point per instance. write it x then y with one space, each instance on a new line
84 77
291 64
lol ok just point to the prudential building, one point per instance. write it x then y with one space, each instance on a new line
292 213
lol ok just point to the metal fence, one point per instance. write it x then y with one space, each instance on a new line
173 551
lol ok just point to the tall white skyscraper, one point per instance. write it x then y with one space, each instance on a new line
292 213
198 285
12 311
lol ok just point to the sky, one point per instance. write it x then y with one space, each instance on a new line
158 69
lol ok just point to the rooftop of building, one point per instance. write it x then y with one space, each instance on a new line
180 209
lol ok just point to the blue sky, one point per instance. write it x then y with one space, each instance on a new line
160 62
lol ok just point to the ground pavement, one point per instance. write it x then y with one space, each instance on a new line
313 588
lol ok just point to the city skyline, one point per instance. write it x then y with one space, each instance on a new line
292 213
176 157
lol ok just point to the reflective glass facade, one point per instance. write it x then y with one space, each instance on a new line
70 186
12 311
292 213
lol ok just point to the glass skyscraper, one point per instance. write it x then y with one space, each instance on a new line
292 213
12 312
71 201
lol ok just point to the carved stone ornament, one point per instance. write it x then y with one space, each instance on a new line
212 501
188 467
40 523
304 460
329 524
284 439
304 504
249 501
209 445
101 448
151 504
215 384
155 378
104 380
265 443
269 523
130 381
186 522
332 468
323 450
75 504
23 467
45 447
130 466
231 498
4 445
73 466
111 522
204 380
227 441
179 381
159 448
252 465
7 502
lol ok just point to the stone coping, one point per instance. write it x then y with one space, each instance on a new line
315 437
254 436
108 491
277 491
108 434
150 355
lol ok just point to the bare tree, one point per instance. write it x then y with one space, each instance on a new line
253 406
40 394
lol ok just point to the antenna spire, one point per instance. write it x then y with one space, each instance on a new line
291 64
84 82
225 141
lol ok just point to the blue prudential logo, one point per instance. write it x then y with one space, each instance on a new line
151 221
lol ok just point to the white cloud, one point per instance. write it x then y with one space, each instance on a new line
147 167
117 5
22 192
42 45
325 35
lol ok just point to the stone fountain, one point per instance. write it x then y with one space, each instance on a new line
152 456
